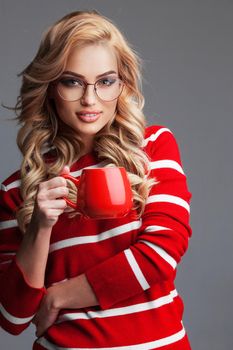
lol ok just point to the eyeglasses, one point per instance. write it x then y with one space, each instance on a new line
73 89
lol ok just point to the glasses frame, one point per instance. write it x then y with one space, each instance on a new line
85 88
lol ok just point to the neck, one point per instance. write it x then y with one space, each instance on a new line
87 147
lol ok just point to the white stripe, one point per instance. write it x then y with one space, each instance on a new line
3 188
46 149
8 253
168 198
166 163
136 269
11 185
6 262
116 231
155 228
17 183
13 319
168 258
98 165
154 137
143 346
120 311
8 224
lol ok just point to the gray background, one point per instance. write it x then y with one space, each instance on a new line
188 54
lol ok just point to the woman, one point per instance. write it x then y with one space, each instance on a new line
91 284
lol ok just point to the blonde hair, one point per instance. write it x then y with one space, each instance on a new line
119 143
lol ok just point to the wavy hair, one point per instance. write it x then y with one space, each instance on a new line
119 143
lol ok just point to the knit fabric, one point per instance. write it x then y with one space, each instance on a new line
130 263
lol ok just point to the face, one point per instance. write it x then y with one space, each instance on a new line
90 114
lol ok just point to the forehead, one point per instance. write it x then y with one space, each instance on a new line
92 60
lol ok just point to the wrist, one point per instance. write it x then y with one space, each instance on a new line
32 255
36 229
75 293
52 299
60 295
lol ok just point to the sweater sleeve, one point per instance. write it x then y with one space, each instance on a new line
18 300
163 236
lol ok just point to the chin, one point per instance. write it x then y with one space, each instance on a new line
89 130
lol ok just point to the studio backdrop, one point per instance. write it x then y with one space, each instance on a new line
187 52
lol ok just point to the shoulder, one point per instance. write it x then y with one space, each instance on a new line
152 129
11 181
153 132
160 142
10 191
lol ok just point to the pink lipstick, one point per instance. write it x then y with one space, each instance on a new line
88 116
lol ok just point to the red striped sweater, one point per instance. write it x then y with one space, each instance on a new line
130 264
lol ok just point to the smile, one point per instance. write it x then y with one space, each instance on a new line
88 117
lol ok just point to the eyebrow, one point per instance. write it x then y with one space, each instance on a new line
82 76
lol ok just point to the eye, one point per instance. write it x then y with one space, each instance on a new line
105 82
72 82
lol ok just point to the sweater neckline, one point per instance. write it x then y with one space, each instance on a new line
84 161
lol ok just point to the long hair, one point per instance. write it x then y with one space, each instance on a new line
119 143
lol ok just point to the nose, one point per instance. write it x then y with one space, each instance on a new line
89 96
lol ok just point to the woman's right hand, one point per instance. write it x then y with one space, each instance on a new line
49 204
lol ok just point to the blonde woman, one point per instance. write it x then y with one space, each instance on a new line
86 283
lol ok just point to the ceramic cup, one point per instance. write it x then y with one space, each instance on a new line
102 193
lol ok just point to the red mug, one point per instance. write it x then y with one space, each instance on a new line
102 193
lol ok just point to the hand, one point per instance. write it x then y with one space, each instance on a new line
74 293
46 315
49 203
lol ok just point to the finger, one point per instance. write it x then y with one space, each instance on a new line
34 321
68 209
39 332
52 204
54 213
65 170
55 193
57 181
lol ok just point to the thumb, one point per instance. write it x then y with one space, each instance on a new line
65 170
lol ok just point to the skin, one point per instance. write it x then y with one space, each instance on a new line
89 61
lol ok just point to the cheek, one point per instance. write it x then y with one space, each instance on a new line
60 105
63 109
111 107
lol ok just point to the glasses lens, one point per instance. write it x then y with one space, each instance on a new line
108 89
70 89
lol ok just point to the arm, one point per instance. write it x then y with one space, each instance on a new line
163 236
22 278
33 252
161 241
74 293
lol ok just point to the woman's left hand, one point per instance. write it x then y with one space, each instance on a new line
74 293
47 313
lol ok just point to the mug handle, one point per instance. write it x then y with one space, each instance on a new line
76 182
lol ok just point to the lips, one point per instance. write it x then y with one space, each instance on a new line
88 116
